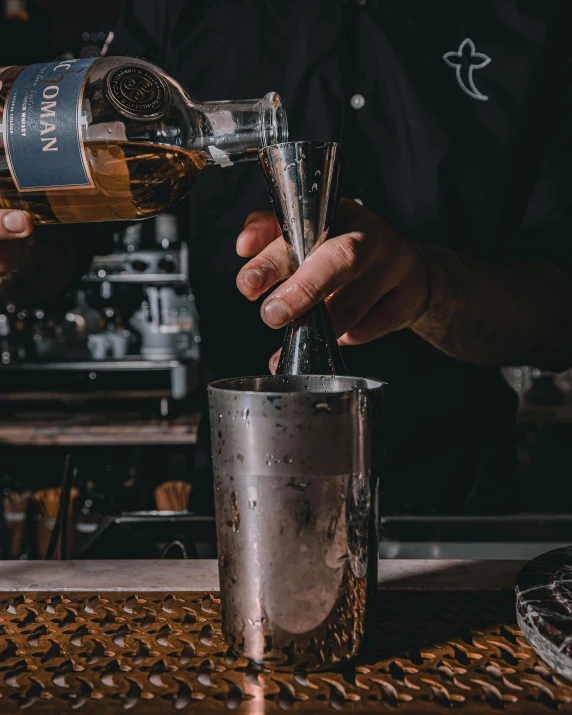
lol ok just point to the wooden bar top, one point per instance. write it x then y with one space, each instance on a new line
202 575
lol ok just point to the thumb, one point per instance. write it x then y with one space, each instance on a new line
15 224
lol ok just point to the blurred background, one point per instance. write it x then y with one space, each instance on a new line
105 372
110 373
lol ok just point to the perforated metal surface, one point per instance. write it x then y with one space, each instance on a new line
161 653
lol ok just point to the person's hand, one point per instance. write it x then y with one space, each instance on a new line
373 279
14 224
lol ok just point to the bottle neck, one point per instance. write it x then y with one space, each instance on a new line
236 131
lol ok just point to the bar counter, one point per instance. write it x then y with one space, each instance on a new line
112 636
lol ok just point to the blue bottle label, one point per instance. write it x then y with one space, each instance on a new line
42 126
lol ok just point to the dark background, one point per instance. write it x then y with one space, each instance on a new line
54 27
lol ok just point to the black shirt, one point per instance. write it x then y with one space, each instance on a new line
456 116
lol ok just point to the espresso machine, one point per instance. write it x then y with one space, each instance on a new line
128 329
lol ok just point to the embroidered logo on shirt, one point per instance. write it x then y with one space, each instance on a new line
465 61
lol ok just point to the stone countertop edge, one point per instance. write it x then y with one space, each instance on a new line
202 575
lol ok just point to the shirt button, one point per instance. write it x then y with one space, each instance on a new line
357 101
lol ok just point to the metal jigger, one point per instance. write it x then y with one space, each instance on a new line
304 180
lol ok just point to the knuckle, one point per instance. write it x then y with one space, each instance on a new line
270 269
359 334
267 216
278 259
310 289
249 219
258 216
347 251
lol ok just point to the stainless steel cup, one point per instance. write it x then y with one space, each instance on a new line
294 496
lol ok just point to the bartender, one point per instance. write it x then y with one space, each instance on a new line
452 252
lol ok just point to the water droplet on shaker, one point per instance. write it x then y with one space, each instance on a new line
235 513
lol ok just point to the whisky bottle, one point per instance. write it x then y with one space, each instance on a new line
110 138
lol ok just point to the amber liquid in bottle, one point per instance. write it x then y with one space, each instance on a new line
131 181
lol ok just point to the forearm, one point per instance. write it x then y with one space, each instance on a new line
494 315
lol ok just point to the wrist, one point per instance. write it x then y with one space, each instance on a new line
445 288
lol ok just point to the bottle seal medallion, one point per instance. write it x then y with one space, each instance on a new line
138 92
